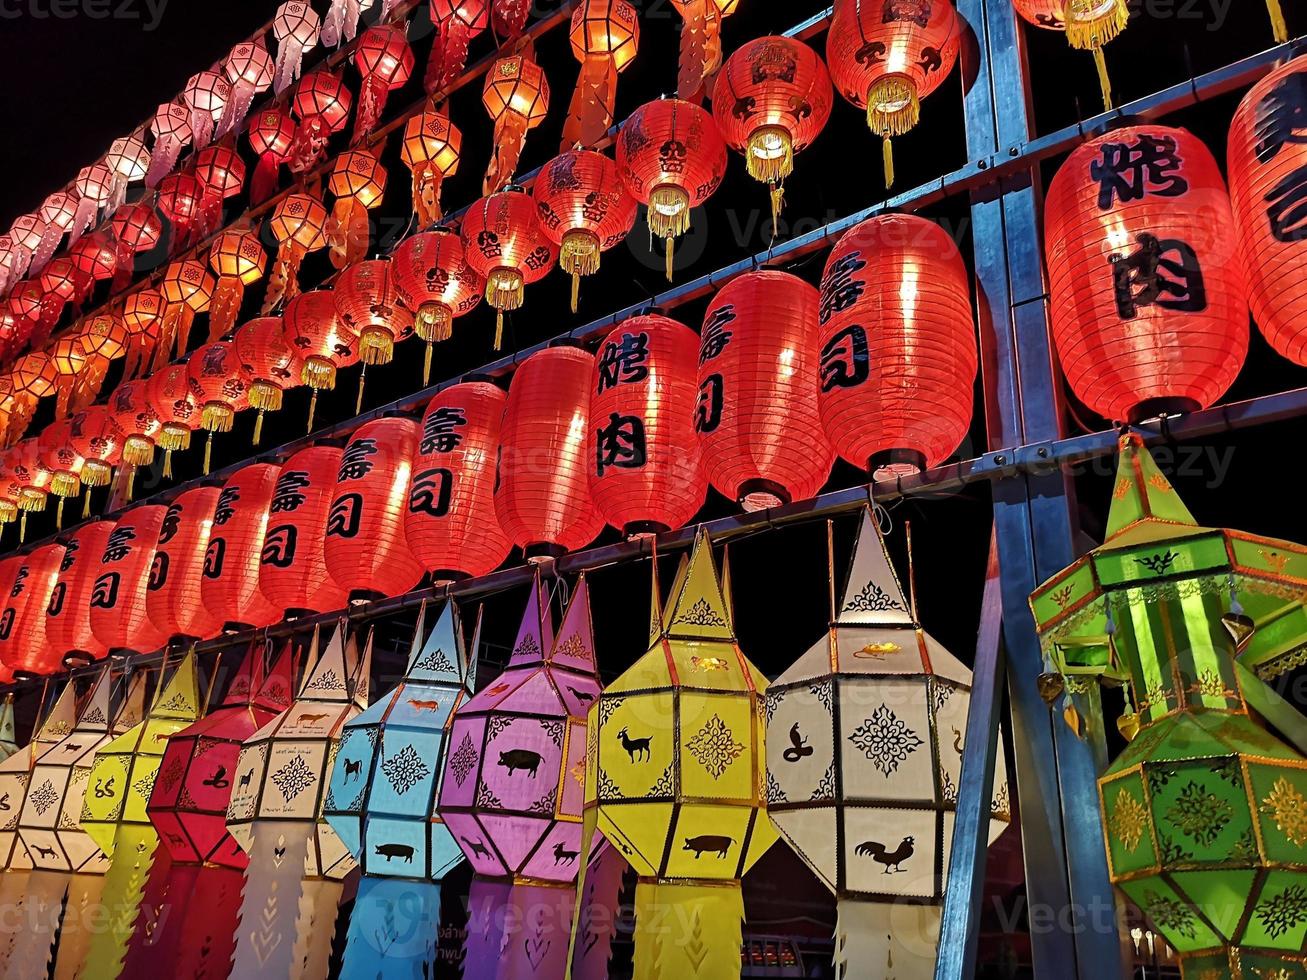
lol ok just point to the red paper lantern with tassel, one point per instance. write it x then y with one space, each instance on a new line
385 62
271 134
31 476
170 396
68 613
434 280
430 149
136 228
173 597
23 641
516 95
505 244
757 415
230 581
368 306
584 210
887 58
60 457
313 329
648 473
542 490
98 439
217 388
365 548
456 22
221 173
1265 157
131 411
450 522
671 159
187 289
896 398
358 181
9 494
771 101
142 317
269 365
321 105
605 35
299 223
119 615
292 568
179 201
238 260
1147 289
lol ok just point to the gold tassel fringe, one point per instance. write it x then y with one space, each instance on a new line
217 417
893 106
376 345
434 322
769 156
65 485
1092 23
669 211
318 372
579 256
258 428
30 499
138 451
363 380
174 437
887 158
265 397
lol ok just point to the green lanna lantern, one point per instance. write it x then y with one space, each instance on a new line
1204 812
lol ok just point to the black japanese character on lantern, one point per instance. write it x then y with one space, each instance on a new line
1126 171
1287 213
714 336
343 520
356 463
225 509
279 546
104 593
119 545
440 431
839 290
619 443
70 554
1280 116
23 573
172 521
708 410
431 492
7 622
1163 272
672 156
846 359
158 571
909 11
214 557
57 594
286 495
624 362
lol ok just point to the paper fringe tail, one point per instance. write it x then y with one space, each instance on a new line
397 919
13 892
270 903
159 916
685 931
42 909
124 886
517 931
315 929
881 939
82 916
209 939
597 922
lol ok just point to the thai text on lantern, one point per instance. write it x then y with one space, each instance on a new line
68 613
385 62
173 598
268 364
435 282
172 131
187 288
271 133
143 317
230 580
647 474
1148 297
1090 24
457 22
217 388
24 645
605 35
516 95
365 546
505 244
293 574
430 149
898 347
295 28
358 181
584 210
757 415
170 397
321 104
238 260
248 68
450 521
771 101
919 42
314 330
299 223
119 613
542 491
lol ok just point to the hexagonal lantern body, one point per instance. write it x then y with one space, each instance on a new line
16 771
864 759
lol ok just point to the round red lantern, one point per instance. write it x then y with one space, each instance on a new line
217 388
898 347
385 62
516 95
292 568
1264 158
1148 297
173 597
312 328
450 522
268 363
31 476
170 397
94 258
59 456
97 438
136 228
321 104
68 613
119 617
915 47
134 416
365 547
505 244
23 641
187 288
237 259
271 133
230 580
584 210
457 21
542 489
299 223
179 201
435 281
221 173
430 149
771 100
756 415
1090 24
648 474
368 306
671 158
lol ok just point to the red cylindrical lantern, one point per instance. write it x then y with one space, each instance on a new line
170 397
542 492
647 473
174 599
268 363
505 244
584 209
368 305
1265 159
238 260
436 283
68 613
321 104
292 568
771 100
313 329
365 547
757 416
23 641
230 581
217 388
897 343
385 62
271 134
1147 293
672 159
457 21
450 522
119 616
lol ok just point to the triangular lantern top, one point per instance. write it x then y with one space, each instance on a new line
436 659
698 608
61 718
872 595
1144 504
179 699
247 678
94 716
535 635
328 676
8 730
361 679
274 689
574 647
132 711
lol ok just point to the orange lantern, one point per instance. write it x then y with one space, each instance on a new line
173 596
172 131
772 99
136 228
299 223
357 180
60 284
238 260
584 209
505 244
221 173
605 36
430 149
142 317
433 279
368 305
102 339
170 397
271 134
60 457
457 22
135 418
915 47
217 388
314 331
187 289
8 495
268 364
97 438
321 105
1090 24
385 62
68 358
516 94
701 43
33 376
